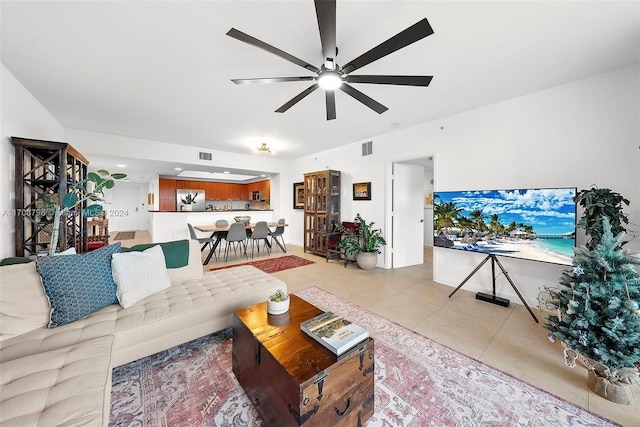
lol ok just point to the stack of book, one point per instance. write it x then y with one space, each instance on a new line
334 332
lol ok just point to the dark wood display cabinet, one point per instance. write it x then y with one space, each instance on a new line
321 209
46 167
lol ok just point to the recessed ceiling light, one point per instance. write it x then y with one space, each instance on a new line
120 165
263 175
178 169
226 172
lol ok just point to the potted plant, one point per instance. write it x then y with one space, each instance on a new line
78 194
364 242
278 303
188 200
599 203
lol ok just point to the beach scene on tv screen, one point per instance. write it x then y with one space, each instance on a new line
534 224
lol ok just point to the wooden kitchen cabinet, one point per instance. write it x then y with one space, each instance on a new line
260 186
212 190
167 190
208 190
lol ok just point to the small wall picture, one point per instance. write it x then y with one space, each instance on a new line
298 195
362 191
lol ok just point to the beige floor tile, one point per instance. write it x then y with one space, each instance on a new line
429 292
454 329
403 309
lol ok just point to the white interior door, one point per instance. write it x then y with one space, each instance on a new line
122 209
408 215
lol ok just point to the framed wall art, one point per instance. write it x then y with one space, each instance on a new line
298 195
362 191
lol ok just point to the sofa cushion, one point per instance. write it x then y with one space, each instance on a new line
139 274
77 285
188 310
176 253
23 303
178 270
62 387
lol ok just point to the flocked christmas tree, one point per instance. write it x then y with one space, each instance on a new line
597 312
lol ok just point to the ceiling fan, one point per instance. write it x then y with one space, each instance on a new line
330 76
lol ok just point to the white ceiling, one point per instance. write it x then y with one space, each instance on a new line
161 70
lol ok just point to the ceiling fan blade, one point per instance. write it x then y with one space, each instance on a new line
417 31
369 102
391 80
273 80
330 96
293 101
326 14
239 35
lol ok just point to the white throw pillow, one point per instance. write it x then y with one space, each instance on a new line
70 251
139 275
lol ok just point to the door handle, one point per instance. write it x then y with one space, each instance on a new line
422 220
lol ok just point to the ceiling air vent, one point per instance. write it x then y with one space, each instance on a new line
367 148
205 156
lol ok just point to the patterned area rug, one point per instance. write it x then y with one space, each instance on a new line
273 265
418 383
125 235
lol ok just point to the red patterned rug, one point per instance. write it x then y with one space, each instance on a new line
418 382
273 265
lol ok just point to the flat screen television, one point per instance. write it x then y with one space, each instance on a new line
533 224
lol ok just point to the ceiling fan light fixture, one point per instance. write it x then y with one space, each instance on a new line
329 79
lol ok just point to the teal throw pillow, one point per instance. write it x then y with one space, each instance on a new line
77 285
176 253
15 260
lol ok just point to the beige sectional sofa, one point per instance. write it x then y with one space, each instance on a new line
62 376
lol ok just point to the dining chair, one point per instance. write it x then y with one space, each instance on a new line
207 241
260 232
236 237
221 234
277 233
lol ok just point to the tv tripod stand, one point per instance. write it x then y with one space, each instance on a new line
493 299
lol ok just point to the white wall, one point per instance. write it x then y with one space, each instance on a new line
20 115
578 134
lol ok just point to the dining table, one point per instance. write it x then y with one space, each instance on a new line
217 233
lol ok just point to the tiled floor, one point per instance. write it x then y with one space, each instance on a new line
506 338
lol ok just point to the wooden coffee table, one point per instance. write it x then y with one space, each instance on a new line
291 379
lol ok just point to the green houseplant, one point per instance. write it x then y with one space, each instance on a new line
188 200
364 242
599 203
78 194
278 303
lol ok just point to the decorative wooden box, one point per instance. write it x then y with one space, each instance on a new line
294 381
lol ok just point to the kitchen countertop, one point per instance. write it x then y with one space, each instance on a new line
219 210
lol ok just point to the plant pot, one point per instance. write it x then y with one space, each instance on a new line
367 260
278 307
187 207
614 391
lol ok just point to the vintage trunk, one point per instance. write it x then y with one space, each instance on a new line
294 381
